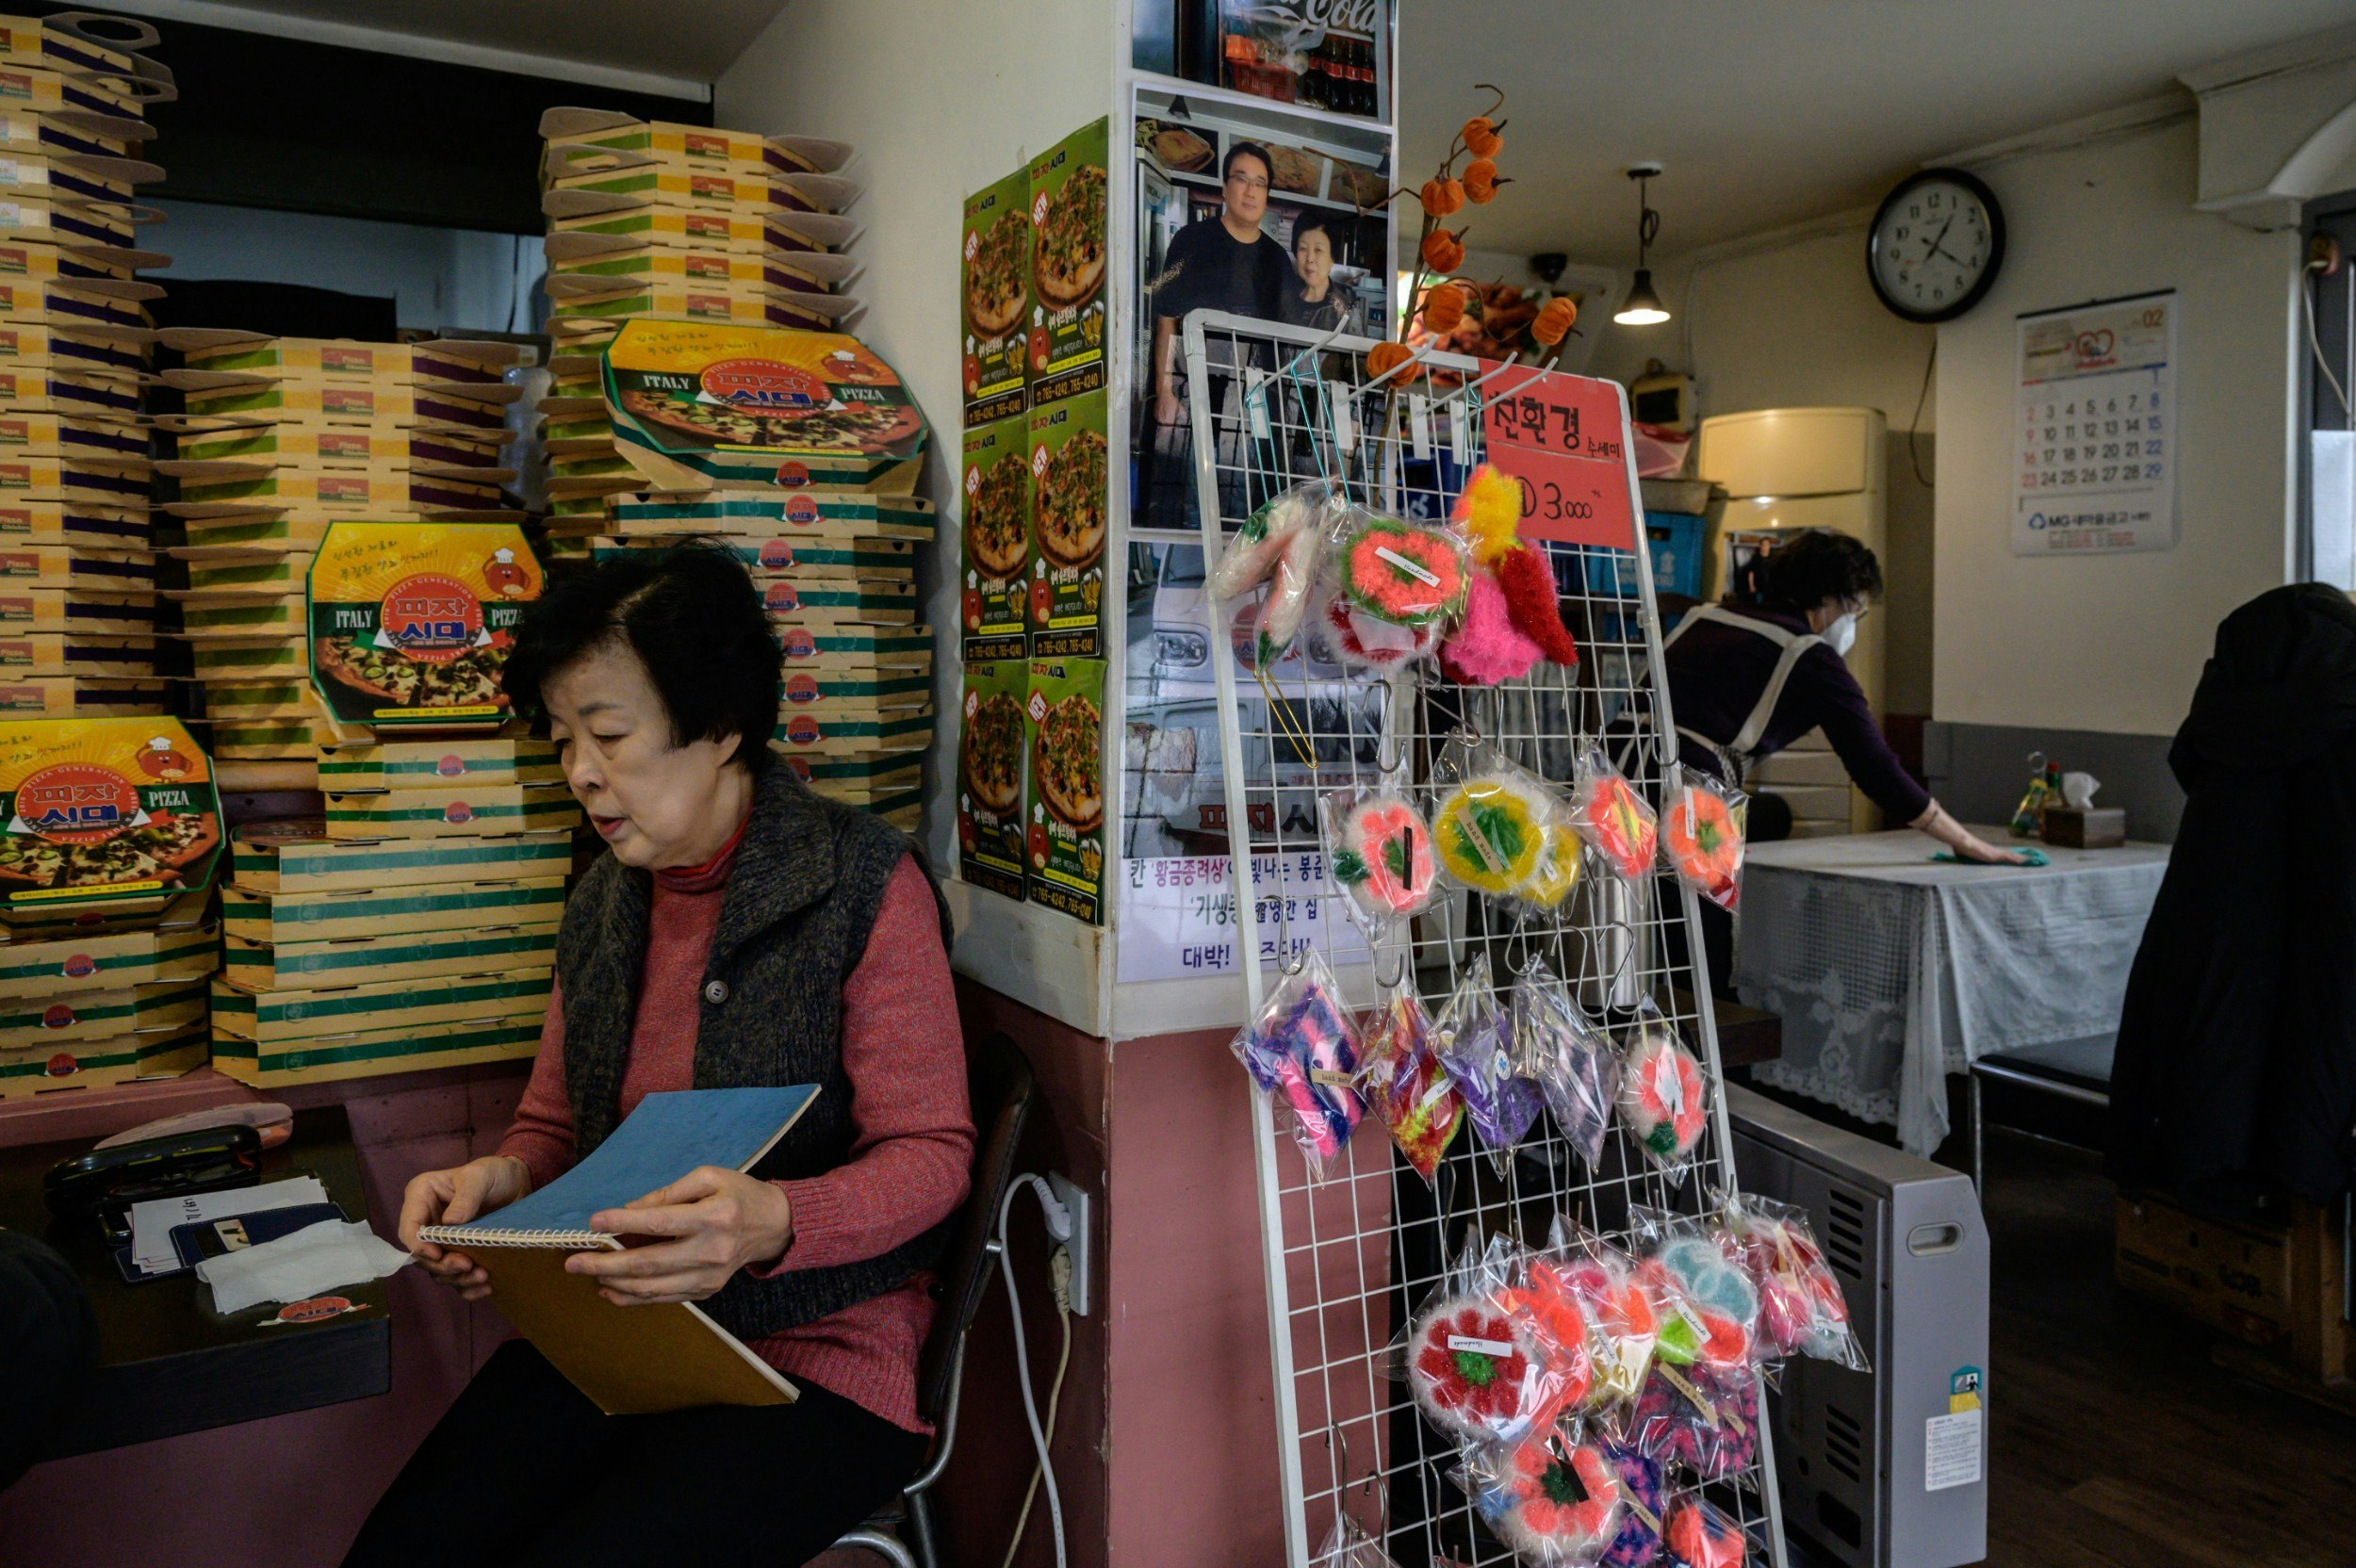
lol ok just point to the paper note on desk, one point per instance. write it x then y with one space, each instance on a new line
151 1222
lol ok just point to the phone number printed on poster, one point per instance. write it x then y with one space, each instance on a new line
1178 916
1565 439
2095 435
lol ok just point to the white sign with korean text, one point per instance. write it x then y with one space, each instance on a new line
2095 435
1178 917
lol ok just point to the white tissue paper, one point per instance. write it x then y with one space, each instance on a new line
296 1268
2078 790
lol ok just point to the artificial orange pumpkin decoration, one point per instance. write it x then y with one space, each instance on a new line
1443 251
1554 321
1480 136
1443 307
1481 181
1442 196
1383 358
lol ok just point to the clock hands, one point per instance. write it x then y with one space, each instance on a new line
1938 237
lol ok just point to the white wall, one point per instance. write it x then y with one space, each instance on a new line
457 278
2113 642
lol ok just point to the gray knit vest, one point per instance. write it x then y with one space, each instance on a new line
800 901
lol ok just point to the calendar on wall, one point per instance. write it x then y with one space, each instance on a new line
2094 428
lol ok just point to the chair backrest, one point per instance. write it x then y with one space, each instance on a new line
998 1082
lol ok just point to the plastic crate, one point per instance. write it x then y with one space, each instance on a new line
1675 539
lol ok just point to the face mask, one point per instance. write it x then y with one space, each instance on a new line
1839 634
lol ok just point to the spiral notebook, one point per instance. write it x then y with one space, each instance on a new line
631 1360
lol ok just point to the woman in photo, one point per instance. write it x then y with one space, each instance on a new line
1312 298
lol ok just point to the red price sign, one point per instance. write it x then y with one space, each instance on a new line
1565 439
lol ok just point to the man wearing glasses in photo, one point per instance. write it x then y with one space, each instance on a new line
1219 264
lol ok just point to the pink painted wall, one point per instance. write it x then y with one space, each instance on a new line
290 1492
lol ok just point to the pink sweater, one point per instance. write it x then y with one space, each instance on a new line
912 1132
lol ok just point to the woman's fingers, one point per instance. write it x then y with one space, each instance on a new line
695 1185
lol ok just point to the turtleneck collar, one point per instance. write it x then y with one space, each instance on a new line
709 876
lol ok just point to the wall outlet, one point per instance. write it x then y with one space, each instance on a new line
1081 1245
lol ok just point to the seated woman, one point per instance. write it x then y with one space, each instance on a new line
738 931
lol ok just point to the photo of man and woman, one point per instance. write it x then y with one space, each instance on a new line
1236 217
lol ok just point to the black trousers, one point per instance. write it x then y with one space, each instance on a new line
525 1471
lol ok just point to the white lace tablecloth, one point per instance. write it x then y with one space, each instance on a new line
1891 971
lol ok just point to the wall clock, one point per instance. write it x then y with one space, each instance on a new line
1935 245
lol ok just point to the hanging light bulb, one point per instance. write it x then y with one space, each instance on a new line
1642 306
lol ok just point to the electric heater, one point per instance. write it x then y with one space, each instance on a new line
1885 1468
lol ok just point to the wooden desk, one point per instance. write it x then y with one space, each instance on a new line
168 1362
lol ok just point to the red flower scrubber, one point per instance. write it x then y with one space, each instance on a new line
1527 578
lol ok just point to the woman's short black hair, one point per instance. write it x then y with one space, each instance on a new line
694 618
1318 226
1247 150
1821 564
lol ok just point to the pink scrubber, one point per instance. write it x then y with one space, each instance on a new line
1528 579
1487 649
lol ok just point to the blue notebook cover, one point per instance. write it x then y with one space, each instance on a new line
665 1138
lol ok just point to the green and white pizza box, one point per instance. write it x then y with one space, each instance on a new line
833 601
452 809
826 691
809 732
297 855
857 647
401 955
781 514
87 963
90 1016
325 917
291 1015
440 764
275 1063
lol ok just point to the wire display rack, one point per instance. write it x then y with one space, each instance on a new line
1350 1257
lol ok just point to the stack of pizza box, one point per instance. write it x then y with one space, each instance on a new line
78 573
652 221
837 574
106 934
282 438
413 924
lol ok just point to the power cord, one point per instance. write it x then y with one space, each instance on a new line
1059 1221
1059 1275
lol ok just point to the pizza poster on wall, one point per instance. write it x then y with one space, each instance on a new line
113 810
1065 850
2095 435
992 766
994 490
1067 253
411 623
995 274
1067 507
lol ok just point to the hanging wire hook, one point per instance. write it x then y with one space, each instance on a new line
1398 975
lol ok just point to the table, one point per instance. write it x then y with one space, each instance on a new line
1891 971
167 1362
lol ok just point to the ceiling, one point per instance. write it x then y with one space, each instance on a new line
692 41
1768 114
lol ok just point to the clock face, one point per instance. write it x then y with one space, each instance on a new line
1935 245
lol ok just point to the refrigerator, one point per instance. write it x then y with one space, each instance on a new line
1784 469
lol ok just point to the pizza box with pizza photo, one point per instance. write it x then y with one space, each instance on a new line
1068 257
696 405
772 514
1064 852
991 769
995 286
995 536
410 623
282 918
295 856
112 814
904 729
76 696
71 522
1068 505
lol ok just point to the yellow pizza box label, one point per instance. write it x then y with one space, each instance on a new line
103 809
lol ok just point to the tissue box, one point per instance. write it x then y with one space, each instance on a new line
2084 826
